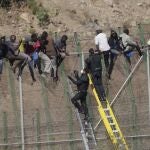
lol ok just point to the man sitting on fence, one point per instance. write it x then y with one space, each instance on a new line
129 45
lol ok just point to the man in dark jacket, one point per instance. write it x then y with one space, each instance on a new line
94 66
60 47
82 83
115 50
3 53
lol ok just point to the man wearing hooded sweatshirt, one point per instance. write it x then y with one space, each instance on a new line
82 83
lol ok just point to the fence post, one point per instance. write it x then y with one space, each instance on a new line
5 129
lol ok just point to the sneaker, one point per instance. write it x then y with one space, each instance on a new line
14 70
103 99
43 75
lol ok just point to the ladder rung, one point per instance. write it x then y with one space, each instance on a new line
115 131
106 109
90 136
118 138
112 124
88 128
109 116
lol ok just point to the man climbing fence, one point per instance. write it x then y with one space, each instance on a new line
82 83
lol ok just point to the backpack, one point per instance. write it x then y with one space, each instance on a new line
35 56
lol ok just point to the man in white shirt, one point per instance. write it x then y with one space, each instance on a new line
102 45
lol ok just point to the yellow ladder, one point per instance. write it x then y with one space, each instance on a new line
110 122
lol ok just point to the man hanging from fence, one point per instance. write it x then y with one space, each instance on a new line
82 83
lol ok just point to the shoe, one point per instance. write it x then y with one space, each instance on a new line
34 80
81 111
103 99
14 70
55 79
40 72
43 75
86 118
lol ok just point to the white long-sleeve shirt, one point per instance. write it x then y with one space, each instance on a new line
126 39
102 42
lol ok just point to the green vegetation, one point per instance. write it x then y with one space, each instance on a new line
39 11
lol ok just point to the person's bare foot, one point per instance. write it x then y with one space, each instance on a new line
14 70
33 81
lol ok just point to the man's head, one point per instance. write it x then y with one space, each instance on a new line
12 38
91 51
64 38
148 42
44 35
34 37
114 34
98 31
126 31
2 40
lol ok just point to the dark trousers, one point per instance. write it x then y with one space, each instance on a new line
59 60
80 96
106 59
113 58
31 68
1 65
97 81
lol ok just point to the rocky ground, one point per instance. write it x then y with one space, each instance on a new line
69 16
81 15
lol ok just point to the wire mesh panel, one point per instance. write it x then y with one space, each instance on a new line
49 116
